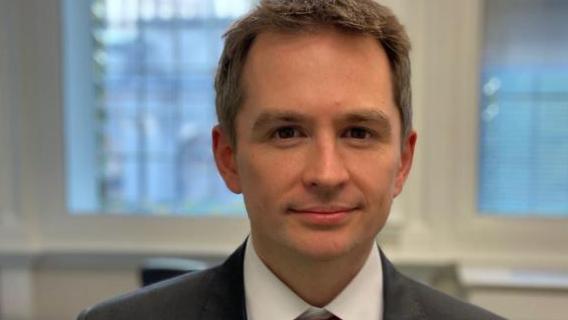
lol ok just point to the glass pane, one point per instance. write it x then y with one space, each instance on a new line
153 67
524 109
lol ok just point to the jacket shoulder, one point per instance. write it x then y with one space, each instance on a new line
438 305
182 297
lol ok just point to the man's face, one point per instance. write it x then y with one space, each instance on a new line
318 156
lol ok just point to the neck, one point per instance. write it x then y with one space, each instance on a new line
317 282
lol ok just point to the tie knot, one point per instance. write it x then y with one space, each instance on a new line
317 314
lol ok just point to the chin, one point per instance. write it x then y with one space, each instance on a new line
322 247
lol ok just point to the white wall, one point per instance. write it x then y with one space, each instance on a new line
77 289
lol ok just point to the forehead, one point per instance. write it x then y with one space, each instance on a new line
325 42
320 69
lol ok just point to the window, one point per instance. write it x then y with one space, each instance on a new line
140 105
523 153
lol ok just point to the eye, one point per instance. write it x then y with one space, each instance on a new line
286 133
358 133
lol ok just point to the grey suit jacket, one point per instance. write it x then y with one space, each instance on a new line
218 294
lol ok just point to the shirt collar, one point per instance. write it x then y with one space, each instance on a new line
363 296
267 297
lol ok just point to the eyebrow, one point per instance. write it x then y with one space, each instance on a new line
266 119
374 116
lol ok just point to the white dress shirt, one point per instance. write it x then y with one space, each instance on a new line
267 297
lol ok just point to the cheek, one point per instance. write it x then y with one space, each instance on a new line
375 174
269 169
264 178
375 179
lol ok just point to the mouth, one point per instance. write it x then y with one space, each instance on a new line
322 210
324 215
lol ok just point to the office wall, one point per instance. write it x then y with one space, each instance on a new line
61 293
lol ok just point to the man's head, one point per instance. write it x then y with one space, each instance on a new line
294 16
318 145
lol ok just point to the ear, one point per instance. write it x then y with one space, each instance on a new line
225 159
406 157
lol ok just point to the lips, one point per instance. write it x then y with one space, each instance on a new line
323 210
323 216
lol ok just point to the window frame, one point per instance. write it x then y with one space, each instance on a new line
45 225
12 231
482 237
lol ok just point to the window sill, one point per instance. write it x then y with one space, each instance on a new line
514 278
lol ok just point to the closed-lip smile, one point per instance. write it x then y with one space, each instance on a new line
323 210
327 216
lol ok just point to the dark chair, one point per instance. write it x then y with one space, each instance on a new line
157 269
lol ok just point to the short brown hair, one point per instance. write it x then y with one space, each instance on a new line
359 16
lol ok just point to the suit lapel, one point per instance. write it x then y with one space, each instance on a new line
227 293
399 302
227 299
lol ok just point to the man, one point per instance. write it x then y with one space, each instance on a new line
313 101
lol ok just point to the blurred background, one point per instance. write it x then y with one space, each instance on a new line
106 108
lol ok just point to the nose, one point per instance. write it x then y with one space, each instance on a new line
325 170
